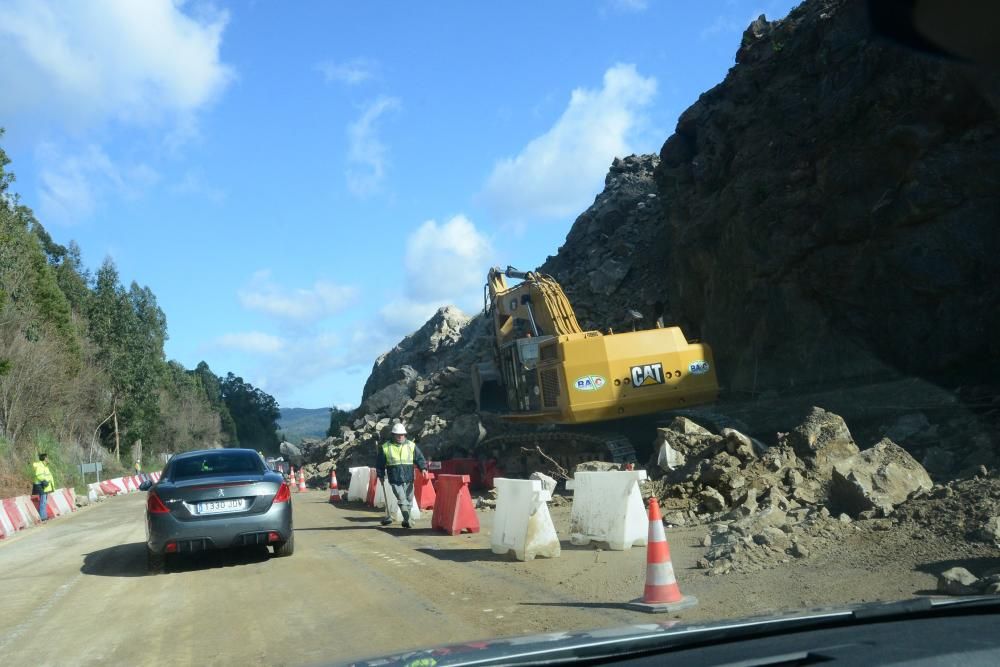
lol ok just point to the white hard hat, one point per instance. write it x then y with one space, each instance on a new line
398 429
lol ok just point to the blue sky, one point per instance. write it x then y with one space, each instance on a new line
302 184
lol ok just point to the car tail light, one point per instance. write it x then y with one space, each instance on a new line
283 495
273 537
171 548
155 506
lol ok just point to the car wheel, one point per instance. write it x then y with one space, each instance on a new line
286 548
155 562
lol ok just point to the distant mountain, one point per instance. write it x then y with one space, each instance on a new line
298 423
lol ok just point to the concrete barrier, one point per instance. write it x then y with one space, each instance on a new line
13 512
607 507
522 523
51 508
59 498
120 485
357 488
6 525
28 510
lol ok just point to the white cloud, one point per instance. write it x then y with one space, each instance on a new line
72 185
253 342
301 305
445 264
366 151
558 173
447 260
88 61
350 72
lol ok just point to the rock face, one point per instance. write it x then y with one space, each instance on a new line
860 237
826 213
429 348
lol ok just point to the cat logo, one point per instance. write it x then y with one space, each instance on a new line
644 376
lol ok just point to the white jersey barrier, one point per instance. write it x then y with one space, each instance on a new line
60 500
522 523
358 488
607 507
380 494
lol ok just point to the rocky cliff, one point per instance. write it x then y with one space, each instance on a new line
824 217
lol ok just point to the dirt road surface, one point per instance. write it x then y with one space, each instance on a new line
75 591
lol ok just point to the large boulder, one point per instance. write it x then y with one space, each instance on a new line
822 440
389 400
291 453
877 479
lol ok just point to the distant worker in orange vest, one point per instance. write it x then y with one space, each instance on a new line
396 459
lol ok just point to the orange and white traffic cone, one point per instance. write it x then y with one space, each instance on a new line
662 592
291 475
334 491
302 481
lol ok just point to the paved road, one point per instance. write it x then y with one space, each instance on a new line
75 591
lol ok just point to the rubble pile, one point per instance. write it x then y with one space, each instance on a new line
766 505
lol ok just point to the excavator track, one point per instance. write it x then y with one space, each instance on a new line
556 452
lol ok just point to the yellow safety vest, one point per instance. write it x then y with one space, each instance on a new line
398 455
43 476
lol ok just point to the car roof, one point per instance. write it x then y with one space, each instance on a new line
199 452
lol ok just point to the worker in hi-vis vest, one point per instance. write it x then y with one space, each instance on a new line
395 459
42 484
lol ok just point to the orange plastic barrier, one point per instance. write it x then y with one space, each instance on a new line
423 489
453 510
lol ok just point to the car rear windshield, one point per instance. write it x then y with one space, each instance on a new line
217 463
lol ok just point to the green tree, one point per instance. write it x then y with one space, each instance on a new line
338 418
211 385
255 413
129 330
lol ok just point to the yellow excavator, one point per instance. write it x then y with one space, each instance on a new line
548 370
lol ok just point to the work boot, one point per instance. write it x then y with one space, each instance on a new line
406 519
386 521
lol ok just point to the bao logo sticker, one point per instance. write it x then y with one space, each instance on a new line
589 383
698 367
646 375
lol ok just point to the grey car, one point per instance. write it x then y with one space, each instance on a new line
217 499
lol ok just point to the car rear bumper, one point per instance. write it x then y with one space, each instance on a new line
222 532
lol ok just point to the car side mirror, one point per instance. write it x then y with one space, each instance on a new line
145 486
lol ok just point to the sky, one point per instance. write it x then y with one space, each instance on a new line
303 184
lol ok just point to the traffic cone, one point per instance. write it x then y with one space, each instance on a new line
334 491
302 481
662 592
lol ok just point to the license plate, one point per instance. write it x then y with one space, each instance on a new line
222 506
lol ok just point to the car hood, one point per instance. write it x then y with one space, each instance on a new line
570 646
